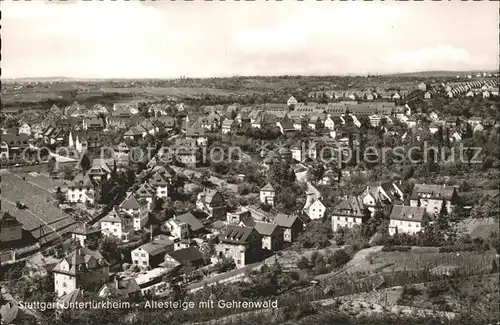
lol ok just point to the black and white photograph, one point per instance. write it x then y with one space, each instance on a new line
249 162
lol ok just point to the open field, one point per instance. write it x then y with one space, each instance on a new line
69 91
422 258
42 218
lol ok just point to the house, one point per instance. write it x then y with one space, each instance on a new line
198 135
194 224
285 126
381 196
227 126
118 224
329 123
158 109
478 128
396 96
147 193
120 288
422 86
241 217
432 197
407 219
135 133
86 233
375 120
434 127
184 225
11 230
297 153
183 257
152 254
212 203
470 93
160 185
93 123
82 189
455 136
257 123
178 229
474 120
82 268
348 213
242 244
314 209
291 225
291 101
428 95
411 122
13 144
267 194
24 128
272 235
486 94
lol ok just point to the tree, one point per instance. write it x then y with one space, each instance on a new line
85 162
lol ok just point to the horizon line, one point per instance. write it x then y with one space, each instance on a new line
255 76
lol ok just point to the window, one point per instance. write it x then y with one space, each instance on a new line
64 284
143 255
144 263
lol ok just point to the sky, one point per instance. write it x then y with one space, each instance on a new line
166 39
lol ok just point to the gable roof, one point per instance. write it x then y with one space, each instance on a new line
236 234
130 203
268 187
407 213
435 191
191 220
186 255
351 206
285 220
265 228
8 220
157 246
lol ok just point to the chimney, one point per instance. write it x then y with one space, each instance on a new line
444 185
117 282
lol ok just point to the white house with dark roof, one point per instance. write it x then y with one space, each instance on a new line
152 254
407 219
118 224
82 268
159 184
431 197
85 233
267 194
350 212
291 101
381 196
81 189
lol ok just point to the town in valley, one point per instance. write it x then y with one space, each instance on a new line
333 198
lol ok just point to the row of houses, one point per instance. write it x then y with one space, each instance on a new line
425 204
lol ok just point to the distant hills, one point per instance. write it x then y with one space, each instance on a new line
439 73
422 74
